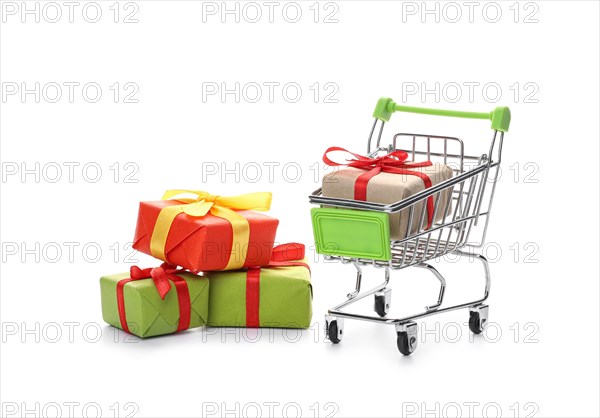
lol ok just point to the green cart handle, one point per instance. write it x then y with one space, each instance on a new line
500 116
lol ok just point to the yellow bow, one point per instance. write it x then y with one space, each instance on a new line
221 206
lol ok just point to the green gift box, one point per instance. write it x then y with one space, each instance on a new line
155 301
278 295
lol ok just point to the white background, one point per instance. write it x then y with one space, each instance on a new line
540 357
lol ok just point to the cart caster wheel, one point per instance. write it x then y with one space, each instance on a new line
407 338
383 299
478 316
334 328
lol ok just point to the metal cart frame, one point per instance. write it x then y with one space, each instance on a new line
470 190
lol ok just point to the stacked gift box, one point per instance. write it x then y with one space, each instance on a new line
220 268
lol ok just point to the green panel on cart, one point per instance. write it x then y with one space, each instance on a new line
352 233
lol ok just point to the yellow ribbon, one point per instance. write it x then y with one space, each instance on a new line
203 203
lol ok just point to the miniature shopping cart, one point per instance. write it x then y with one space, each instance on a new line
357 232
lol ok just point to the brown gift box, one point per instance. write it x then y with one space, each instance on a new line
391 188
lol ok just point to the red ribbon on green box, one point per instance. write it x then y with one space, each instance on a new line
162 277
284 255
394 162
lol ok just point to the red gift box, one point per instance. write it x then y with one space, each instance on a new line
209 241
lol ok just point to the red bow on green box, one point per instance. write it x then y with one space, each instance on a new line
162 276
394 162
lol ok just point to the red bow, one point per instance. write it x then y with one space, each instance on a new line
394 162
393 159
284 255
162 276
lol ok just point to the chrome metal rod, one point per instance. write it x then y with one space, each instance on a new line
442 281
486 269
493 191
371 136
352 295
436 205
421 220
441 154
367 293
380 133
